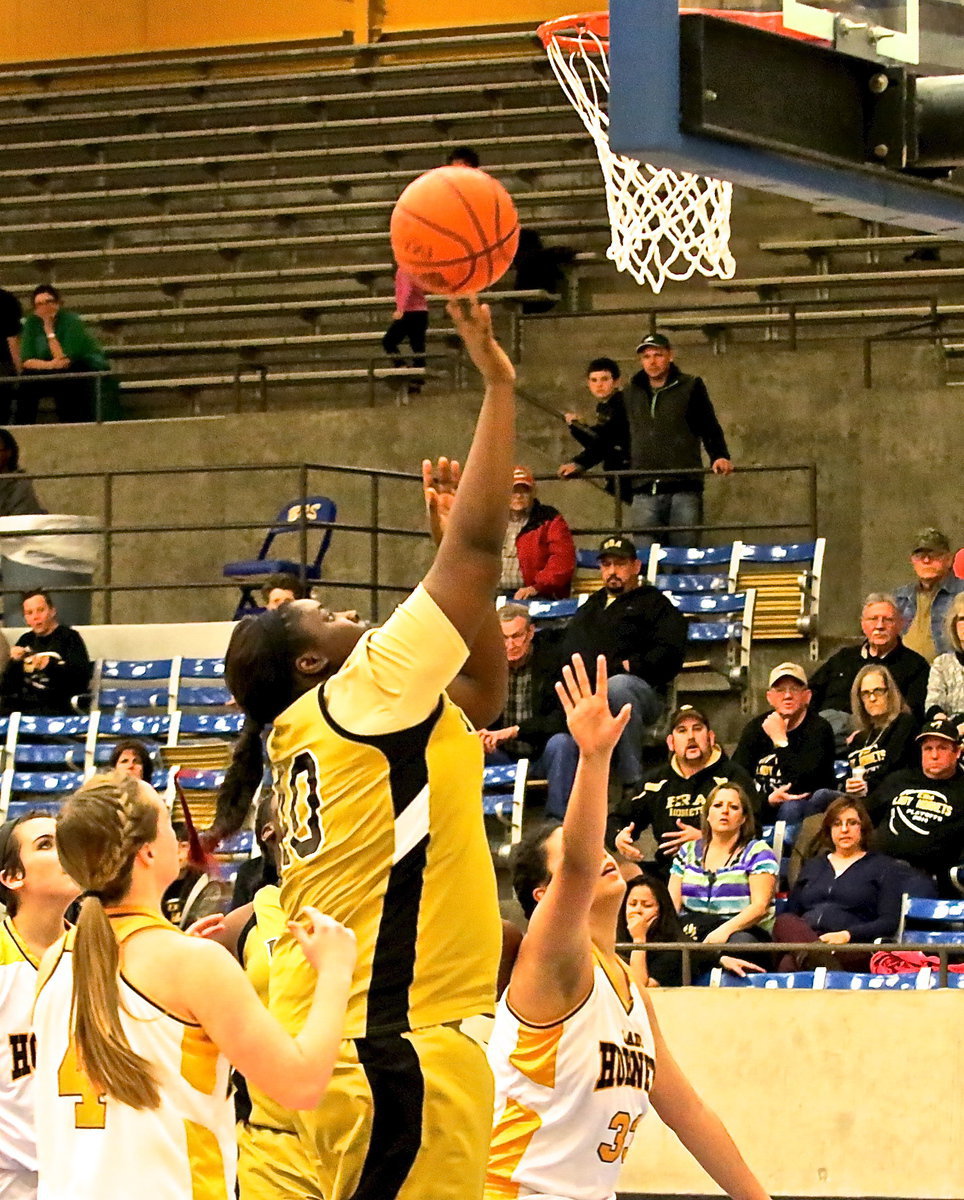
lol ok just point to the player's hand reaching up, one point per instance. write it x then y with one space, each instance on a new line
473 324
439 485
593 727
326 944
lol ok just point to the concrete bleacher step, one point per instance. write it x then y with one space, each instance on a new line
355 131
340 183
83 101
375 209
67 127
168 167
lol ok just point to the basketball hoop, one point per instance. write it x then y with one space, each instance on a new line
665 224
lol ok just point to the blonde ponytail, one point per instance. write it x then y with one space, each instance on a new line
99 831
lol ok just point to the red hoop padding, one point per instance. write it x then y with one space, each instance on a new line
597 24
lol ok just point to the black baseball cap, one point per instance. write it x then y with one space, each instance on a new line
654 341
617 547
941 727
687 710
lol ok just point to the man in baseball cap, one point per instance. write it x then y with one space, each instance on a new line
643 638
919 812
789 751
924 605
660 423
672 795
538 553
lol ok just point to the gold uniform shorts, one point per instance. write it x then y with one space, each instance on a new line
407 1116
273 1165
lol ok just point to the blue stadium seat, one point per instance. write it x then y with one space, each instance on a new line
800 980
686 556
851 981
934 922
587 560
210 724
134 683
503 797
317 512
692 583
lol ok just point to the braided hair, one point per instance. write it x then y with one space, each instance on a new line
99 832
259 671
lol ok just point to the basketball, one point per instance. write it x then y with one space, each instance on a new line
455 229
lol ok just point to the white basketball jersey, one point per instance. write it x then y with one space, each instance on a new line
18 1054
568 1096
92 1147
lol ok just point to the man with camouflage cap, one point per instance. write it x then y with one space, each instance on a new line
924 605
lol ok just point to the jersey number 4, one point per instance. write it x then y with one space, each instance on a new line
90 1109
623 1127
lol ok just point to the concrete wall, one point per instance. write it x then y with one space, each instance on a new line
389 437
826 1094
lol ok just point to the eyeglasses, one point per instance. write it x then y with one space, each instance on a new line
790 689
873 693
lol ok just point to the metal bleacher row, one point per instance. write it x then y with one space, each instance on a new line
175 213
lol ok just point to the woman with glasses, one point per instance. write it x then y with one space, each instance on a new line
845 893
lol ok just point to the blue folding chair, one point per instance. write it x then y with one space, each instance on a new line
318 513
688 559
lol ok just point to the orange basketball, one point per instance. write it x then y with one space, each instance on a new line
455 229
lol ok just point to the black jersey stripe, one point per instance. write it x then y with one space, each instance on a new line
393 961
397 1086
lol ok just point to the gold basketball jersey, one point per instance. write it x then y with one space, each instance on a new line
379 778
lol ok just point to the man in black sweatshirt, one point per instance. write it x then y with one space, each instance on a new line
48 666
919 813
790 750
673 795
880 623
642 637
658 424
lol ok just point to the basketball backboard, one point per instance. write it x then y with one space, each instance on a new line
704 92
925 34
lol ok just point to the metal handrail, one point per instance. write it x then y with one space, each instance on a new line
942 951
111 526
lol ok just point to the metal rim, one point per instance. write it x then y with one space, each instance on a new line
569 33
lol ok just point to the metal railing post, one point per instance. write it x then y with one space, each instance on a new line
303 526
108 547
98 399
373 566
812 490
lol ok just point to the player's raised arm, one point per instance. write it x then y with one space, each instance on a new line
463 578
554 969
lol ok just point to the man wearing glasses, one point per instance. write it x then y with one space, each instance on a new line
880 623
924 605
789 751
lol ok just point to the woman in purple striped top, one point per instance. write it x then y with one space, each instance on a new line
723 885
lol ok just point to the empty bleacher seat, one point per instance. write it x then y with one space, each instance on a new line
134 683
787 578
935 922
717 619
503 797
315 512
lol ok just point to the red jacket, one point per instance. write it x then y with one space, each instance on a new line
547 553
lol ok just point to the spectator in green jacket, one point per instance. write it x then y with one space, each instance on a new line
54 343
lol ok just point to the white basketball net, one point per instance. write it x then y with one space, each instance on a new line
665 224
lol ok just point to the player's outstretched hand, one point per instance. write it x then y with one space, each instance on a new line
593 727
207 927
439 485
473 324
325 943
